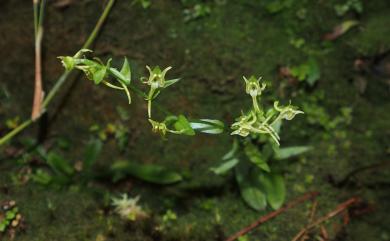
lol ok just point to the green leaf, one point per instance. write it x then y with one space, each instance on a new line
314 72
3 225
208 126
225 167
92 151
118 75
230 160
274 188
287 152
232 151
256 157
249 187
11 214
126 71
150 173
59 164
170 82
68 62
183 125
309 72
42 177
347 25
99 74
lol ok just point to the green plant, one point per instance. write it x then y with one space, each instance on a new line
9 216
199 10
308 72
128 208
101 73
59 172
255 158
144 3
354 5
168 220
149 173
278 5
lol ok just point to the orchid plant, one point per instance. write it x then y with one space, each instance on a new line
258 128
260 179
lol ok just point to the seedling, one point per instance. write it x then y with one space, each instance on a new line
10 217
128 208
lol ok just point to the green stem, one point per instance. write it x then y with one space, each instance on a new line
61 80
112 85
65 75
150 97
127 92
36 16
41 12
15 131
98 25
256 105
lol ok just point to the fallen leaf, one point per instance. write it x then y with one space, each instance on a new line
340 30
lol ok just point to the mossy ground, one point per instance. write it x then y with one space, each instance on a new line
210 54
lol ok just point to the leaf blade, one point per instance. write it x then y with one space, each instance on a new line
150 173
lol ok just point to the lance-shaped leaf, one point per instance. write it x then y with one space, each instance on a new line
41 177
208 126
225 167
170 82
126 71
230 161
255 156
150 173
92 151
59 164
287 152
123 76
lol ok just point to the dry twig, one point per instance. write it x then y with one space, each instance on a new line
339 209
263 219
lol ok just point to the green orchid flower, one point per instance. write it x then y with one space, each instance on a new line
156 81
286 112
254 89
258 121
253 123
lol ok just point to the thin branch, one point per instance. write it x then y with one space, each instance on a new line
313 211
340 208
263 219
